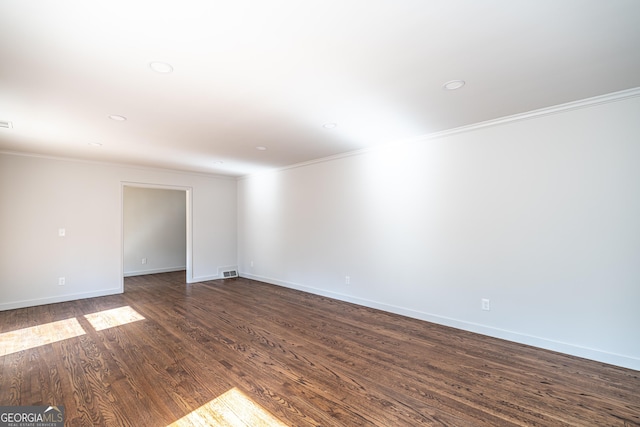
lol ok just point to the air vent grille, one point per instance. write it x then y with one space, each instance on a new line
4 124
230 273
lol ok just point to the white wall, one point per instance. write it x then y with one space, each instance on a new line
155 229
40 195
541 216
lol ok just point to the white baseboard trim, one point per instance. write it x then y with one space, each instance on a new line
153 271
214 276
517 337
59 298
203 278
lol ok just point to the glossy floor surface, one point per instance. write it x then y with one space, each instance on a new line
238 352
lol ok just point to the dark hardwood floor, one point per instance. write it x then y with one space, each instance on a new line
303 359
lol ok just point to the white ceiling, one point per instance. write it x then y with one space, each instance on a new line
272 72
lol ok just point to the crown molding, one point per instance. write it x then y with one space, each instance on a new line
541 112
547 111
116 164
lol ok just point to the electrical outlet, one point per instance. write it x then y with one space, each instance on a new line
144 260
61 281
251 264
62 232
347 280
486 304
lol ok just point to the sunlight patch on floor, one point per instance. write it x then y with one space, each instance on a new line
115 317
35 336
231 409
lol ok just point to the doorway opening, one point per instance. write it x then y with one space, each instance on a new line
156 229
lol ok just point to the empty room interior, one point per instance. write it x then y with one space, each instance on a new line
337 213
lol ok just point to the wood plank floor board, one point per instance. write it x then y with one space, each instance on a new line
142 366
219 343
506 363
261 340
336 380
306 359
383 356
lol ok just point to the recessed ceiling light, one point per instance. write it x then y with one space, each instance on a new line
7 125
218 162
95 144
261 148
118 118
330 125
161 67
454 84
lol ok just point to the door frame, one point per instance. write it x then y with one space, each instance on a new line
189 229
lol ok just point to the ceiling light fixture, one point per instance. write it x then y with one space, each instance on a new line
261 148
7 125
453 84
95 144
218 162
118 118
330 125
161 67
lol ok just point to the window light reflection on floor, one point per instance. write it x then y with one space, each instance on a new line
35 336
47 333
115 317
233 408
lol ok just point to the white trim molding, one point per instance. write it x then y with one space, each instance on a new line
543 343
58 298
547 111
189 223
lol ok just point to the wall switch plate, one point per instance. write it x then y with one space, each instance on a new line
486 304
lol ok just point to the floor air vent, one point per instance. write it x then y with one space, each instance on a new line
230 273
